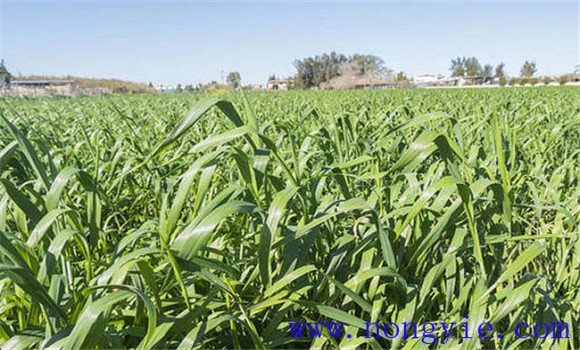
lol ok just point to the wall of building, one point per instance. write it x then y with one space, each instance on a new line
59 90
70 90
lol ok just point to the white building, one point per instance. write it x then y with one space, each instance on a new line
280 84
427 80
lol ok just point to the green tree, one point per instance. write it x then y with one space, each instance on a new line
234 79
371 65
487 71
5 75
465 66
528 69
401 76
189 88
457 67
564 79
3 70
500 70
178 89
546 80
313 71
473 67
502 81
304 73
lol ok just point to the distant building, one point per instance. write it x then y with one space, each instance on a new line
280 84
41 88
357 82
352 76
451 81
166 89
428 80
253 87
216 88
479 80
440 81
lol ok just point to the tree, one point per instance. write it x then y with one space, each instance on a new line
401 77
502 81
3 70
371 65
5 75
564 79
546 80
465 66
500 74
313 71
304 73
234 79
472 67
457 67
179 89
188 88
500 70
487 71
528 69
272 77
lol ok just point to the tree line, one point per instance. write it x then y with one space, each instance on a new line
470 67
313 71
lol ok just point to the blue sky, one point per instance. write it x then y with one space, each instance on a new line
190 41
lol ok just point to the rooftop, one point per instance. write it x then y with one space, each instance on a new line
41 82
280 81
354 81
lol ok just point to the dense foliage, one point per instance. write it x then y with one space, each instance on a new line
5 75
128 221
313 71
470 66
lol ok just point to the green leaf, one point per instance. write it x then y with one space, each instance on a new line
196 235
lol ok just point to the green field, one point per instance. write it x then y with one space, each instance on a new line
161 221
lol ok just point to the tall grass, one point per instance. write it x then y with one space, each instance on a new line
164 222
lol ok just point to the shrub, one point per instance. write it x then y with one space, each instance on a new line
502 81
